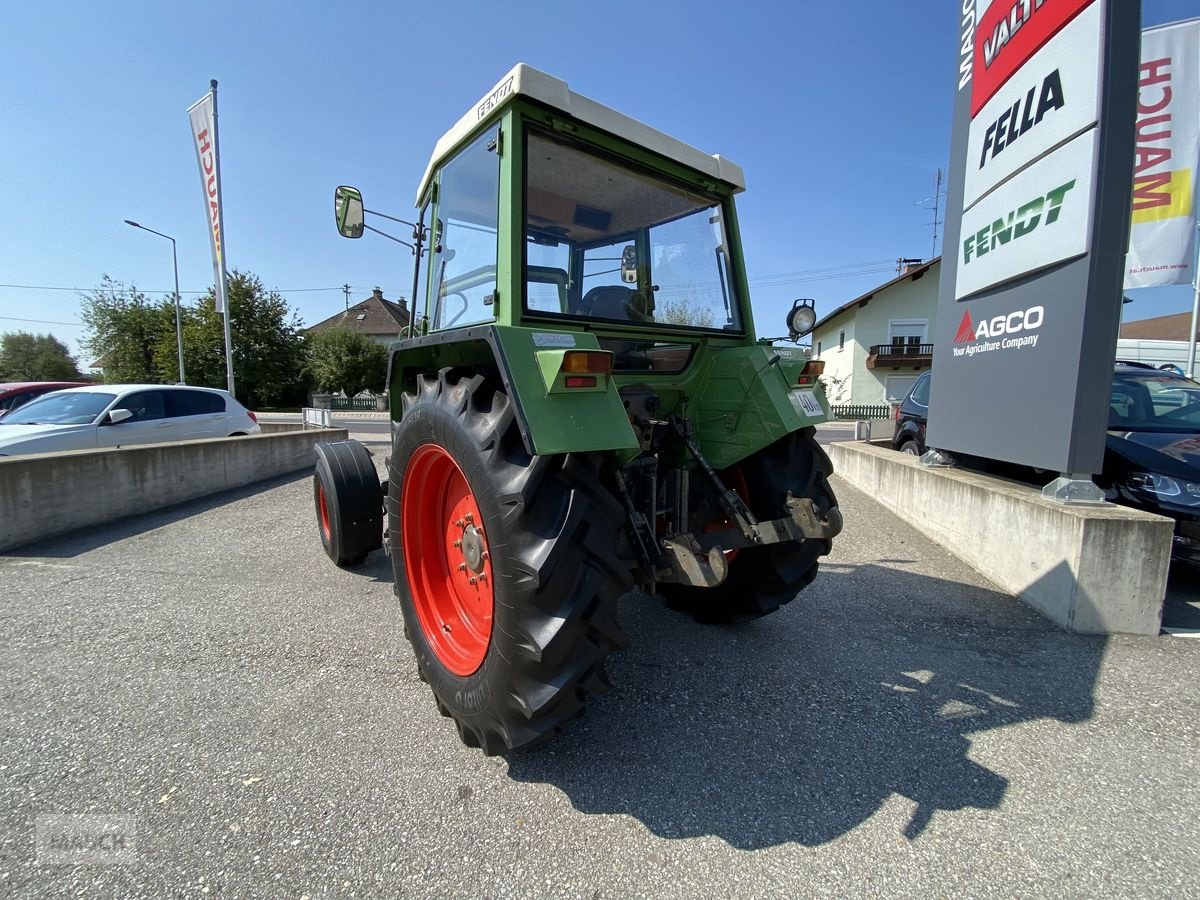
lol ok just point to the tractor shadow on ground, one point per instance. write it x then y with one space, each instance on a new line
799 727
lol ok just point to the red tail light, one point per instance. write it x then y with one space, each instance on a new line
897 413
253 417
578 362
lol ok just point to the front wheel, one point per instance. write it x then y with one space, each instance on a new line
504 565
911 448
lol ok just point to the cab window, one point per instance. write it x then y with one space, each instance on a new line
462 279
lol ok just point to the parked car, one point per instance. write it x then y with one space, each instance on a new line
18 393
1151 452
911 416
119 415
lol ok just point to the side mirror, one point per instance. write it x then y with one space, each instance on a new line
801 319
348 211
117 416
629 262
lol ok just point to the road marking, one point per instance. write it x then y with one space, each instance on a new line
1183 632
38 563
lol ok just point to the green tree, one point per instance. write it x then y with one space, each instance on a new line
269 361
125 330
344 360
684 312
35 357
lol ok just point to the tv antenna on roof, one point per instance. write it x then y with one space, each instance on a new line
936 199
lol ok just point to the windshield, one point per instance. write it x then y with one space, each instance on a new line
610 243
1155 401
65 408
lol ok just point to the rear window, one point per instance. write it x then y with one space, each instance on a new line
194 403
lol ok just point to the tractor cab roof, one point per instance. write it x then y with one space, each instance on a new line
526 81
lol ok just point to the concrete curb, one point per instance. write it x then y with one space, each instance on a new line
48 494
1090 569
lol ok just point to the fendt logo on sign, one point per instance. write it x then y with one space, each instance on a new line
1008 34
1018 223
1010 331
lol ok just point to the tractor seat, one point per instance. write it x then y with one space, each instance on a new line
609 301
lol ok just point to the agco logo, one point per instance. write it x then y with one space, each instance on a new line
1011 330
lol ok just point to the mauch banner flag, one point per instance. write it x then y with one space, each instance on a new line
1161 240
204 139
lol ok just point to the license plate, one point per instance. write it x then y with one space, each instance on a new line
807 403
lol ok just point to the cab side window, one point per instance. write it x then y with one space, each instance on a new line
465 227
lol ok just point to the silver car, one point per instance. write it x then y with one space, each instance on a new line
120 415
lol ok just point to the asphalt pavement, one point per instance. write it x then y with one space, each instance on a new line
900 729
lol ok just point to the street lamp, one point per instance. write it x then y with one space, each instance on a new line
175 263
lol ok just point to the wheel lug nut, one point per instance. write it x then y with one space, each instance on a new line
459 523
486 555
483 576
462 567
458 543
473 580
470 517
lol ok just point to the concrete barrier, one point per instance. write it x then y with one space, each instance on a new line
47 494
1092 569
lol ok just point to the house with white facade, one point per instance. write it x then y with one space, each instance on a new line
875 346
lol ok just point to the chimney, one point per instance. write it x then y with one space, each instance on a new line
377 294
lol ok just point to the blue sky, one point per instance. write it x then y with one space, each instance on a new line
839 113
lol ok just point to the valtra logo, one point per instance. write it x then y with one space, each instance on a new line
1011 332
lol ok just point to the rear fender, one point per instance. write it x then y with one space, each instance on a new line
549 422
747 398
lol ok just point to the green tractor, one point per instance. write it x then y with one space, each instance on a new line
583 407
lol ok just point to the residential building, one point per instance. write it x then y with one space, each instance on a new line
380 319
875 346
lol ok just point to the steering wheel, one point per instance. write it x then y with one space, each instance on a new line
465 305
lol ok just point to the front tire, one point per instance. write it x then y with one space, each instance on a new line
504 564
911 448
762 579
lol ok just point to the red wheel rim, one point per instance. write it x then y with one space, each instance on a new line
736 479
447 560
323 511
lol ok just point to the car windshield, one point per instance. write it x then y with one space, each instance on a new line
1154 401
604 241
65 408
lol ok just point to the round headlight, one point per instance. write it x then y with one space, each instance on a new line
801 319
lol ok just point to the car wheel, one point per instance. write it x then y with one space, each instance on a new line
911 448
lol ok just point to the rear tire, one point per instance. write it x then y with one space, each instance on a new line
549 528
762 579
348 501
911 448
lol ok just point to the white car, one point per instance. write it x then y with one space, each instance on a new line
120 415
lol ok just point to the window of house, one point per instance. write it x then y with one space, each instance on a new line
841 340
907 335
818 348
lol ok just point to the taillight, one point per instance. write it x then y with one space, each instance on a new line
253 417
577 362
580 381
814 367
897 415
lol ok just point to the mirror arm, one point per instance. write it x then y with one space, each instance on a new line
390 238
390 218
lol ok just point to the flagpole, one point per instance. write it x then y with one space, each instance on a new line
1191 367
223 287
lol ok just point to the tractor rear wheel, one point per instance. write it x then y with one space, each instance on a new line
504 563
762 579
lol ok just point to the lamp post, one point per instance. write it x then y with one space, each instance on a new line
175 263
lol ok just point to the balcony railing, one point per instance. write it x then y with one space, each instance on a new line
899 356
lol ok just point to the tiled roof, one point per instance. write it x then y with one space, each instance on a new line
1160 328
375 315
